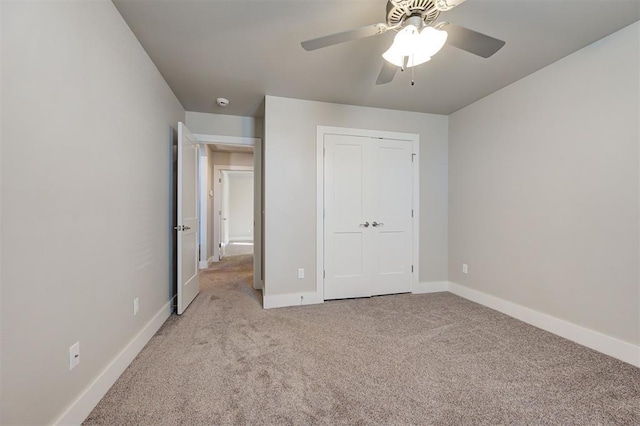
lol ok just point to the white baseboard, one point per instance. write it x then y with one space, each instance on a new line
258 284
291 299
430 287
600 342
79 409
204 264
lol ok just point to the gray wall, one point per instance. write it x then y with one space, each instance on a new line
219 158
240 206
543 189
224 125
85 198
290 185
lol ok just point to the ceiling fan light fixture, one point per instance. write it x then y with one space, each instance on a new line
430 40
418 47
405 41
396 57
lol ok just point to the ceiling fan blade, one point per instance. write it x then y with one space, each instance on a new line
387 73
472 41
354 34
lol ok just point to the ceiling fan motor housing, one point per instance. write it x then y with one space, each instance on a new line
399 10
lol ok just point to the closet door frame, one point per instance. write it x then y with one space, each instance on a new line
375 134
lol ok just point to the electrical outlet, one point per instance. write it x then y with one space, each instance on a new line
300 272
465 268
136 305
74 355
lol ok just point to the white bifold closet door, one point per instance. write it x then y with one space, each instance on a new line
368 220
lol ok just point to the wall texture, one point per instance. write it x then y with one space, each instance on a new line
224 125
290 185
240 206
85 198
543 189
232 159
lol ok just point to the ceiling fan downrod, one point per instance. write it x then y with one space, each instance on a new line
400 11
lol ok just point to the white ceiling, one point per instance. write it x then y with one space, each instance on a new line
243 50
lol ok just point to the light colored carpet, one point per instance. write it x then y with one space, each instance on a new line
406 359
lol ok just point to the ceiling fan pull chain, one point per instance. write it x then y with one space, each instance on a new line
413 82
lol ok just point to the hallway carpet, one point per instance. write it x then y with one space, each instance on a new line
394 360
235 248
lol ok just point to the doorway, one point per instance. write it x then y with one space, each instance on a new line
231 154
233 211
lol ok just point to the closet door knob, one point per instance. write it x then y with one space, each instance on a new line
374 224
366 224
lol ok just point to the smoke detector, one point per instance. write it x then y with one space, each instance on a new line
223 102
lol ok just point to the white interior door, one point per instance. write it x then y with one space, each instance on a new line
347 233
187 229
391 215
368 221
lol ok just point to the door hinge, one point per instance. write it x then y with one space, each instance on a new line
324 274
220 213
220 180
411 212
412 269
413 155
219 245
324 151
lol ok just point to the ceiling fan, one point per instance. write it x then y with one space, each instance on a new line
418 36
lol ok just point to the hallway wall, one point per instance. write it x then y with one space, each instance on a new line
241 206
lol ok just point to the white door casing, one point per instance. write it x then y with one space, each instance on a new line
187 229
224 213
367 177
203 197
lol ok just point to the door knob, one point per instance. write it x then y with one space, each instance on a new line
366 224
374 224
184 228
